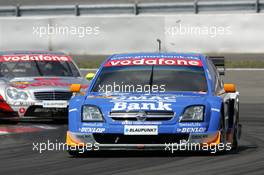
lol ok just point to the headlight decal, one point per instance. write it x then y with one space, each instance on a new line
16 94
91 113
194 113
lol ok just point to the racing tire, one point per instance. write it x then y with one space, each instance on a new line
14 122
74 153
235 139
77 154
222 130
222 135
10 122
235 147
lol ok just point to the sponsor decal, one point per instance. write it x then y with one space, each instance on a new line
215 109
21 82
34 57
140 123
190 124
73 110
103 96
120 106
55 104
92 130
38 82
22 110
21 103
171 98
155 61
191 130
94 124
140 130
202 92
192 57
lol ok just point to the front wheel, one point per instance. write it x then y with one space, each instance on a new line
222 130
222 136
73 153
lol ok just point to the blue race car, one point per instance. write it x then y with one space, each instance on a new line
155 101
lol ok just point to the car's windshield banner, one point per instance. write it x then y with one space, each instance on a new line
19 58
155 61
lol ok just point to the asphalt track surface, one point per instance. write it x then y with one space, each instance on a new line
18 157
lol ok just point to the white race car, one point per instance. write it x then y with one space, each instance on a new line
36 84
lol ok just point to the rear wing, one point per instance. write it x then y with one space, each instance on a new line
219 62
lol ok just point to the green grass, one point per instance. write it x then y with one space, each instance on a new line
245 64
90 61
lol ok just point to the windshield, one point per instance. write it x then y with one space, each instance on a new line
38 68
164 78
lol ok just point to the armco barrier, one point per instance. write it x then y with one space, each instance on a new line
136 8
229 33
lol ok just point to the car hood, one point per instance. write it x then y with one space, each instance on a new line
46 82
175 102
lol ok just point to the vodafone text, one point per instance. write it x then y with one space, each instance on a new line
18 58
156 61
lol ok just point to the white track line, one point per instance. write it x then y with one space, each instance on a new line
45 127
245 69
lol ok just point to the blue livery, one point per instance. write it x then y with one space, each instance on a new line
145 101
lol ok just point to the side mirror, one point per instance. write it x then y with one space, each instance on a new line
230 88
89 76
75 88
